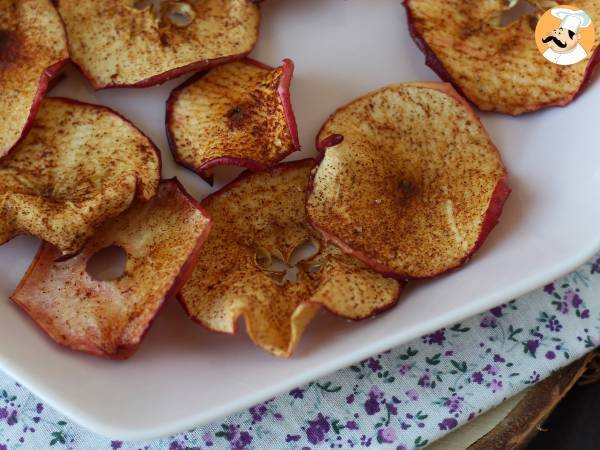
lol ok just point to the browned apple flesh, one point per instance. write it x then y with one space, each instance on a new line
162 239
236 114
259 219
409 181
33 48
79 166
141 43
498 68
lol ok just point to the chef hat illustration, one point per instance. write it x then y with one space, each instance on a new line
571 20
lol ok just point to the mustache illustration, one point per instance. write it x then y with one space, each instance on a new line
556 41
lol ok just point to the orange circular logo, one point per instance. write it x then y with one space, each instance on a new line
565 35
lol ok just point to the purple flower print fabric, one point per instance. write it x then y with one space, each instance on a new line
402 399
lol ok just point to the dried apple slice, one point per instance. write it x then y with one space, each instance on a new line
237 114
79 166
498 68
409 181
260 218
33 49
138 43
162 239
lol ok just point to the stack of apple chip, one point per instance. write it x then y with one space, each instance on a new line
406 185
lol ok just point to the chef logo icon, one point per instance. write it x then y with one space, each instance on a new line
565 35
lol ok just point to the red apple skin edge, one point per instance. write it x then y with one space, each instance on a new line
284 94
126 351
490 220
434 63
165 76
47 76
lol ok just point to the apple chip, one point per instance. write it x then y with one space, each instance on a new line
138 43
409 181
236 114
33 49
79 166
252 264
161 238
498 68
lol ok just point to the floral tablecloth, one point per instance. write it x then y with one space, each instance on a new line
402 399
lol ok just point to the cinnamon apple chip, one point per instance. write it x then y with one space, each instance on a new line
79 166
161 239
251 265
33 49
138 43
409 182
498 68
236 114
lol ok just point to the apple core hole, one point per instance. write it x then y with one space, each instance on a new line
107 264
278 265
180 14
301 259
291 275
306 250
518 9
263 259
144 4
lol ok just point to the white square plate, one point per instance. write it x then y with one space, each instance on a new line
184 376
